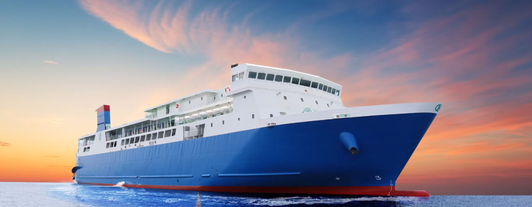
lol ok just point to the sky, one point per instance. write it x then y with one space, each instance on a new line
61 60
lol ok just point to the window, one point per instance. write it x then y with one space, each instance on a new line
131 140
211 124
127 141
244 97
154 136
167 133
142 138
328 106
189 102
304 83
295 81
160 135
148 137
261 76
282 113
329 89
337 92
238 119
202 98
123 141
333 91
167 109
252 116
223 122
278 78
252 75
285 98
173 132
137 139
314 85
241 75
302 100
107 146
271 115
270 77
234 78
320 87
287 79
316 102
325 88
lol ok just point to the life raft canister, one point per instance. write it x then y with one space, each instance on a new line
227 89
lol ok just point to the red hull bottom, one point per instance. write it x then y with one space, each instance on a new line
341 190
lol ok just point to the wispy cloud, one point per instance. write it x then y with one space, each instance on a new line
4 144
50 62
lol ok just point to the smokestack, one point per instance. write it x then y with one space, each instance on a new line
104 118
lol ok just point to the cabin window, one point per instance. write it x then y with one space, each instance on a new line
131 140
127 141
261 76
211 124
244 97
320 86
314 85
160 135
333 91
241 75
271 115
284 97
329 89
337 92
167 133
173 132
234 78
137 139
302 100
270 77
325 88
287 79
154 136
148 137
107 146
252 116
123 141
304 83
278 78
252 75
142 138
295 81
316 102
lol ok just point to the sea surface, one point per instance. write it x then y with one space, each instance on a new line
71 194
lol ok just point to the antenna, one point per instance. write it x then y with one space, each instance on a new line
232 66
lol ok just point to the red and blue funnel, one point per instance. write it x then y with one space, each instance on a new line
104 118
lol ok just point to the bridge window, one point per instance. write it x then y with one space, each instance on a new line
252 75
320 87
261 76
337 92
325 88
329 89
287 79
304 83
295 81
314 85
333 91
278 78
270 77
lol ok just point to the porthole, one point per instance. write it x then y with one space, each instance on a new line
252 116
211 124
285 98
302 100
223 122
244 97
238 119
316 102
271 115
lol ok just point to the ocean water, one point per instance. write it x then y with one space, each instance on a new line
71 194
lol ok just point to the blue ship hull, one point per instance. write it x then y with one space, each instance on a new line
300 158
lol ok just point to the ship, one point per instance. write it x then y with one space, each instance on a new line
270 131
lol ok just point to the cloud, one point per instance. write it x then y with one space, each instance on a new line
4 144
50 62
